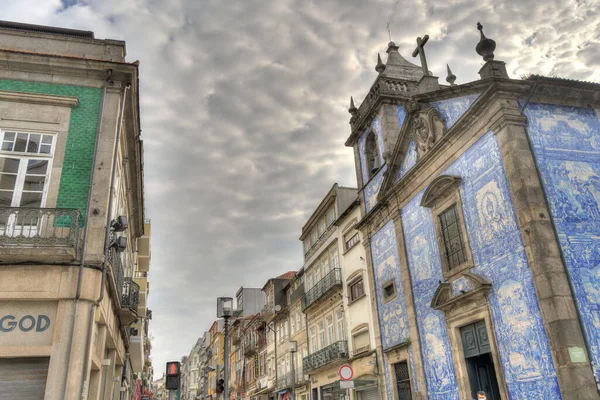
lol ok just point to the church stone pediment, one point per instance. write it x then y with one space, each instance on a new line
470 287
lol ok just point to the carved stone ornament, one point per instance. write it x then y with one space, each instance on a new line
427 126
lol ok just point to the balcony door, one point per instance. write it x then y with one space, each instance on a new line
25 165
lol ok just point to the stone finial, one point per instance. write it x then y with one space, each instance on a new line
352 110
380 67
451 77
485 48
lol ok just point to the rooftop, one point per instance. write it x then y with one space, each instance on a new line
18 26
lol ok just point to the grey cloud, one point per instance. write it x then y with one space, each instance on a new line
244 116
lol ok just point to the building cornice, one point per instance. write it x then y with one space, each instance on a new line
42 99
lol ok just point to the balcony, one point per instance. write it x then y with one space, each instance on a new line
130 296
284 381
331 280
143 249
324 236
297 294
136 352
333 352
39 234
268 310
250 349
142 281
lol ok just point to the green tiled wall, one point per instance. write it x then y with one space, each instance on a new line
79 152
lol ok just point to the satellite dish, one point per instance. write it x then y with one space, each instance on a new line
277 308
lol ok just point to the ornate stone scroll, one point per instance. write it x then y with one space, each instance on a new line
427 126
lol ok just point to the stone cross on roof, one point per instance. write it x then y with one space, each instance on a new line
420 50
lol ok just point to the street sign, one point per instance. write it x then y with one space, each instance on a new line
346 384
346 373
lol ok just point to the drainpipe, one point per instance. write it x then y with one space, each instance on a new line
85 232
106 239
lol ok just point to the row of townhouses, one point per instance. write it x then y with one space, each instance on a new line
74 239
467 260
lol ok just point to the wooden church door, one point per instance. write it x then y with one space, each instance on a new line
478 357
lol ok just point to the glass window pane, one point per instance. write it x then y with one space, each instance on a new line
9 136
34 143
21 142
7 146
38 167
7 181
34 183
45 148
6 197
47 139
10 165
31 199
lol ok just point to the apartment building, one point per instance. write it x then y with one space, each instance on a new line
74 242
322 303
360 308
215 357
297 344
275 315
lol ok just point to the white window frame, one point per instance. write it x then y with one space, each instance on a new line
330 330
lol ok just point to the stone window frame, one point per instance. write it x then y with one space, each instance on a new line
42 114
359 330
370 148
351 280
387 298
441 194
397 355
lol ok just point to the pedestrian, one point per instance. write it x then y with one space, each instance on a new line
481 395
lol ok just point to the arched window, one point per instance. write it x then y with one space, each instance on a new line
372 154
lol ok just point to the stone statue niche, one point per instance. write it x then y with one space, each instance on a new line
427 126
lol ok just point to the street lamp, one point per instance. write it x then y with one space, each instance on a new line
225 311
292 349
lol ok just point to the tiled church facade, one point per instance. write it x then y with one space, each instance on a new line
522 160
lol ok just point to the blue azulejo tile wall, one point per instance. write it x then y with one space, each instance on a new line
566 146
393 320
490 220
452 109
371 190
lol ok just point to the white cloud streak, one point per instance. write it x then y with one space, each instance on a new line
244 116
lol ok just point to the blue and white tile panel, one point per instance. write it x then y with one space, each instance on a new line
566 146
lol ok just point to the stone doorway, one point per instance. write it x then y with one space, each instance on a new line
478 358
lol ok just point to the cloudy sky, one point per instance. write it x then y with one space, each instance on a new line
244 115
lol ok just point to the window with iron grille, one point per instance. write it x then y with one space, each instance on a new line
454 247
356 289
402 380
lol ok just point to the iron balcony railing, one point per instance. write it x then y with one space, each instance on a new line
131 295
331 280
250 349
324 236
117 268
335 351
39 227
284 381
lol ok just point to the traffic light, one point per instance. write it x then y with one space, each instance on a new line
220 386
173 368
172 379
